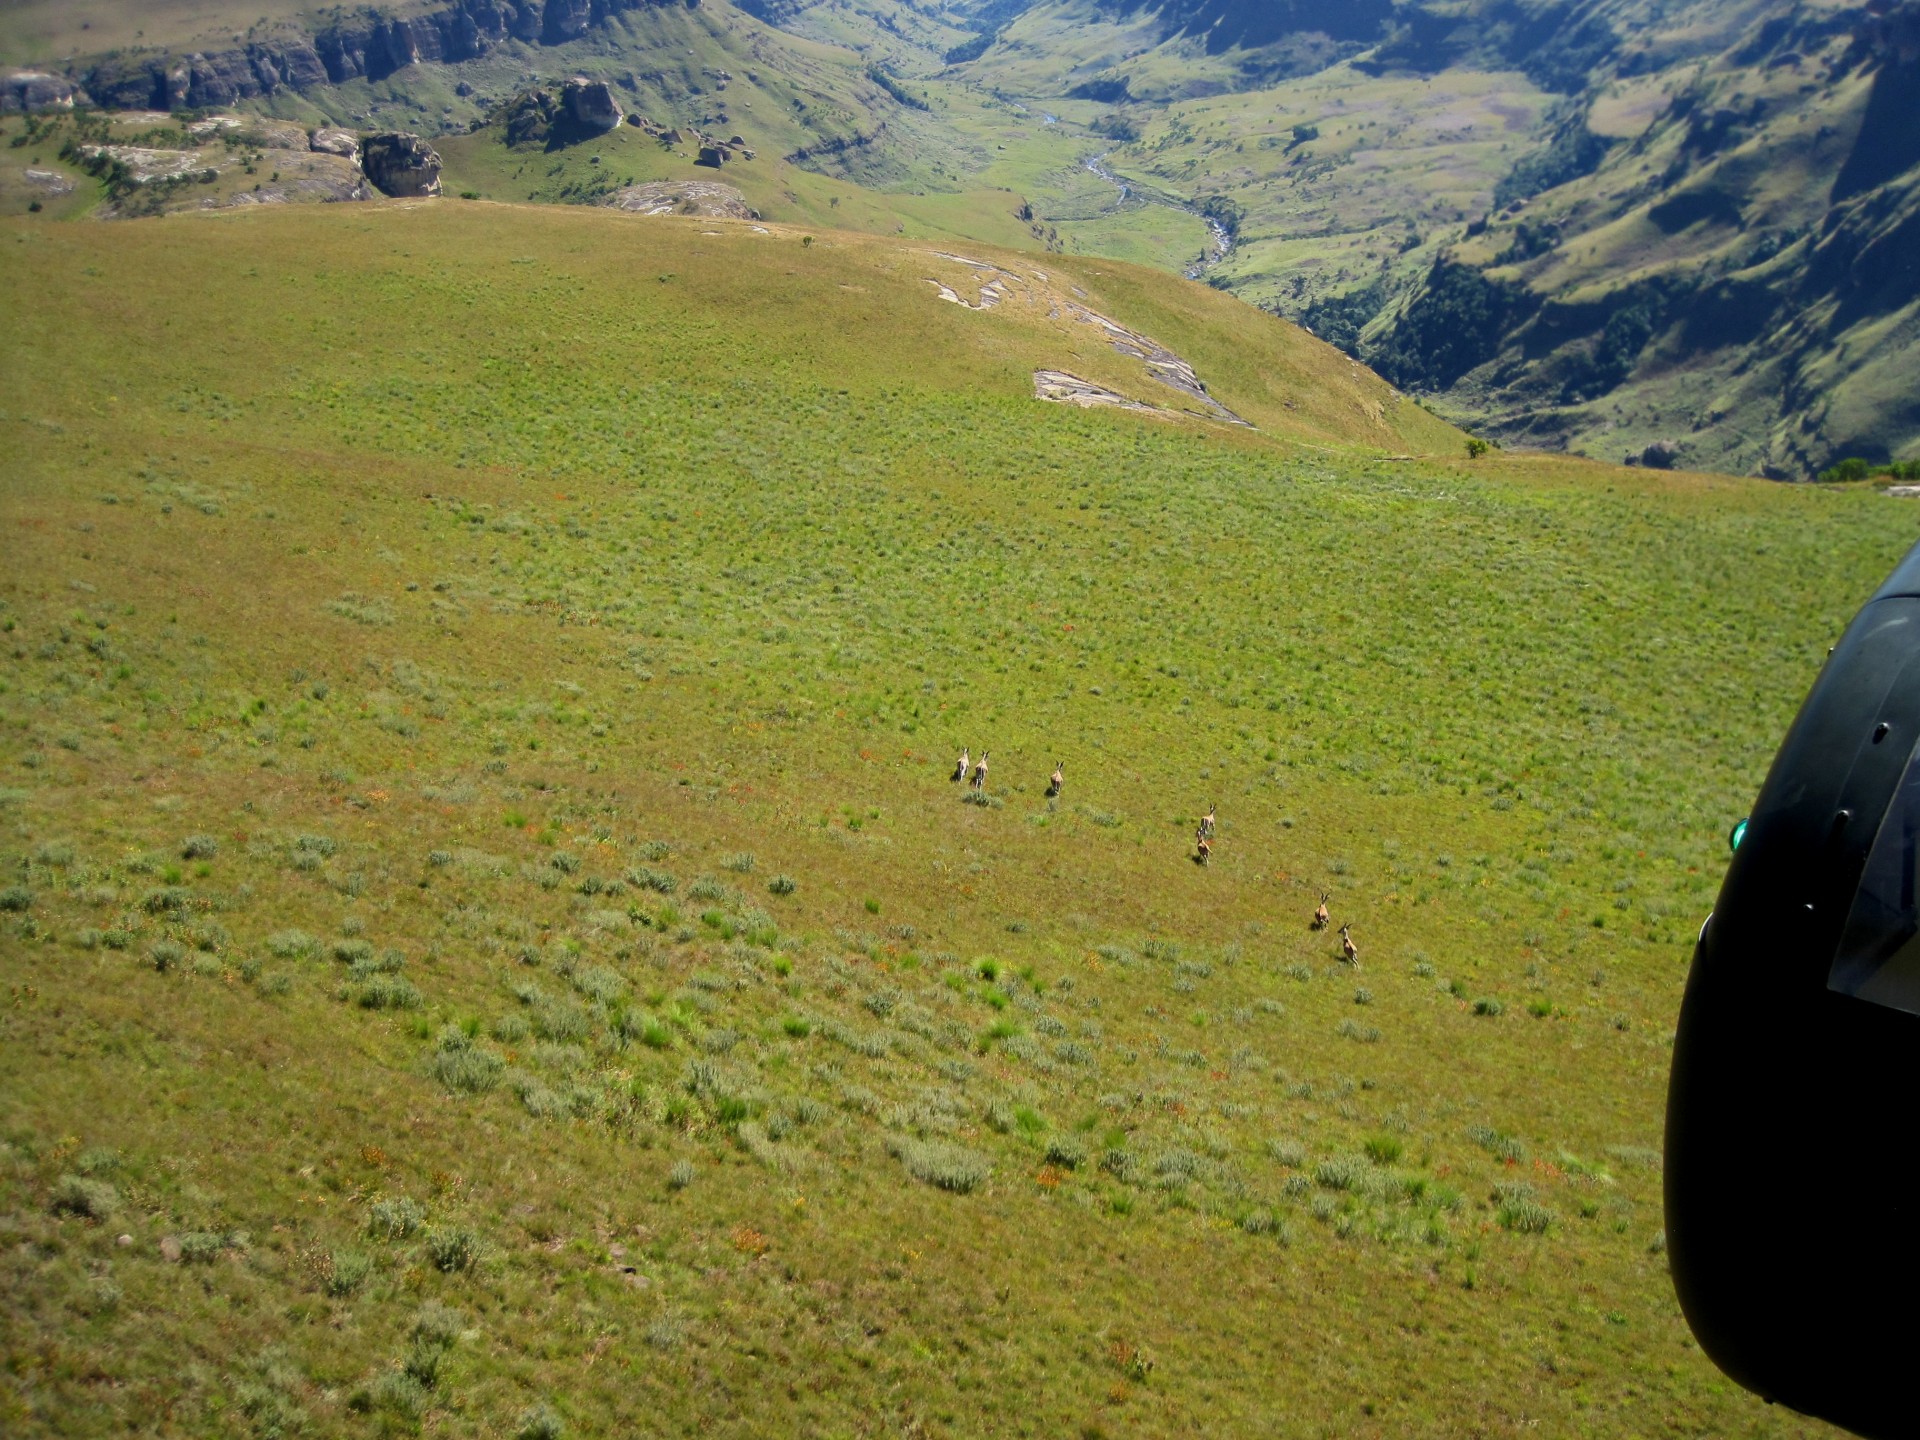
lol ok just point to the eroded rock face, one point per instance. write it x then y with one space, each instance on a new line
33 90
565 20
357 45
1660 455
401 164
329 141
591 104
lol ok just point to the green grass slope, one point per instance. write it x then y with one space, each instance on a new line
491 947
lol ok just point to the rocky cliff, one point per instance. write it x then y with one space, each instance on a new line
401 165
367 45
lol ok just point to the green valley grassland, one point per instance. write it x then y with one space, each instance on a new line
486 918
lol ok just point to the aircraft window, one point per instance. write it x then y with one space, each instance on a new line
1879 955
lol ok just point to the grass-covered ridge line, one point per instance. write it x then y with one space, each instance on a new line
485 914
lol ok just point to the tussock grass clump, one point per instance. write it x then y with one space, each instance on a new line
388 992
346 1272
361 609
1518 1208
645 877
1500 1146
88 1198
463 1067
782 885
292 945
453 1249
396 1393
539 1422
437 1324
1344 1172
395 1217
202 1247
943 1165
1069 1152
1290 1153
1383 1149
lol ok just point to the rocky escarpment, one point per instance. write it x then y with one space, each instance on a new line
367 45
401 165
34 90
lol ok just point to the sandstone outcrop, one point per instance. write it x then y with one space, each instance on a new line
33 90
329 141
401 164
364 46
591 105
1660 455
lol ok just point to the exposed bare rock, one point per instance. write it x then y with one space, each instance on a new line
714 154
52 182
33 90
139 84
364 45
705 198
329 141
1065 389
401 164
996 285
564 20
591 104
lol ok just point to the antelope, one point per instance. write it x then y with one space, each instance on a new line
1206 820
1203 850
980 772
1320 917
1347 950
1054 785
966 760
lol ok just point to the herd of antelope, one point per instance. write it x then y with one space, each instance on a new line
974 773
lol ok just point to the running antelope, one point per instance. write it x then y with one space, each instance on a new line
1347 951
1320 917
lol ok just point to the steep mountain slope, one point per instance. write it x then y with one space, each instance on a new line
1738 271
1595 225
491 946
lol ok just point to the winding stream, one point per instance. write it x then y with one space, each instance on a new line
1218 248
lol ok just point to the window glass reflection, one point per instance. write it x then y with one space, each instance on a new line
1879 955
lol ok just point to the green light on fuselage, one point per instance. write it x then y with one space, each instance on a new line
1736 835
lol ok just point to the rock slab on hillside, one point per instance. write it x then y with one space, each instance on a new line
329 141
401 164
706 198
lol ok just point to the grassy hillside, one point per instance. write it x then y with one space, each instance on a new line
492 947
